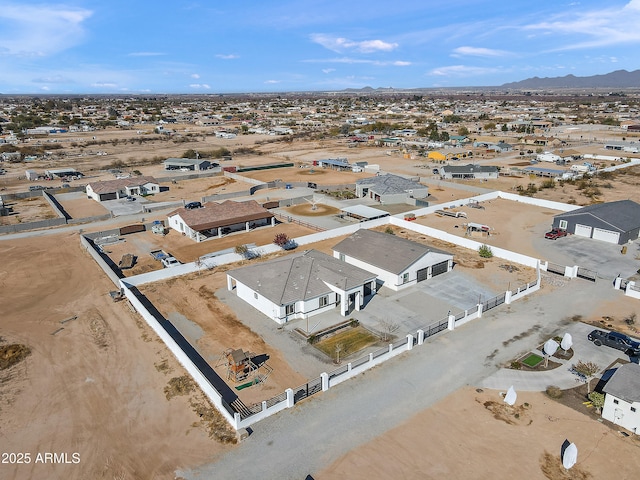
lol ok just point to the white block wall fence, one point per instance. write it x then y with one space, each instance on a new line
251 414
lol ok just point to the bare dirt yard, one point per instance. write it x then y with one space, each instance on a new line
94 381
474 434
28 210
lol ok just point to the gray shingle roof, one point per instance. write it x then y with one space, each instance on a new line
624 215
300 276
625 383
383 250
470 168
390 184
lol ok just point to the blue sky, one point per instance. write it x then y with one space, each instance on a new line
219 46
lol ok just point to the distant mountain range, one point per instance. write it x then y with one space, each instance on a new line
617 79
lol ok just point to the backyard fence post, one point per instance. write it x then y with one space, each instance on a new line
420 337
236 419
390 347
479 310
290 399
325 381
507 297
451 319
349 367
616 282
409 341
264 405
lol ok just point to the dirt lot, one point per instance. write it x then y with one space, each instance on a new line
28 210
512 224
94 381
484 438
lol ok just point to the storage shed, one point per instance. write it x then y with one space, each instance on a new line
613 222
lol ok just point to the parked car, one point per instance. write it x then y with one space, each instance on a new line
193 205
170 262
615 340
36 187
555 234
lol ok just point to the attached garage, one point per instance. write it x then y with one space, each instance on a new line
439 268
423 274
583 230
606 235
612 222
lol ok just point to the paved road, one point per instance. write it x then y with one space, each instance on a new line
303 440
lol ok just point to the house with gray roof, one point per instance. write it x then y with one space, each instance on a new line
301 285
468 172
193 164
613 222
391 189
622 397
397 262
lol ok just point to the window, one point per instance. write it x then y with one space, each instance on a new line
290 309
616 402
405 277
563 225
324 301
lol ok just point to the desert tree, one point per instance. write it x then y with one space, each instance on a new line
589 370
388 327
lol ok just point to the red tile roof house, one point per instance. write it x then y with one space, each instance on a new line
218 219
122 187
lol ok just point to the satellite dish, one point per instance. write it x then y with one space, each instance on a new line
570 456
510 397
567 342
550 347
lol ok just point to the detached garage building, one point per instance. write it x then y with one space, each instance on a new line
397 262
613 222
194 164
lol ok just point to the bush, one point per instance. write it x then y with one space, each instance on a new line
389 230
485 251
553 391
515 365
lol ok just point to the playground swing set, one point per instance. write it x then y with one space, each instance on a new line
241 367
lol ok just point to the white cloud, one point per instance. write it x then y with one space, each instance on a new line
40 30
339 44
348 60
271 82
594 28
104 85
478 52
52 79
227 57
461 71
195 75
200 86
328 70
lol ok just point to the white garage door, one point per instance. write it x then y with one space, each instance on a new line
583 230
606 235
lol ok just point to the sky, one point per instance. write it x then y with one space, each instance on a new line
220 46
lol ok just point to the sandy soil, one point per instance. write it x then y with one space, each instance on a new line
94 381
474 434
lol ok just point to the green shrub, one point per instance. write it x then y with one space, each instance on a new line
485 251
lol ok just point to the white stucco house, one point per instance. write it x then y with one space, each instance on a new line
391 188
218 219
122 187
301 285
622 397
397 262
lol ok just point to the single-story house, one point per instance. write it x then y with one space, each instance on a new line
622 397
218 219
122 187
613 222
62 173
301 285
186 163
469 171
335 163
398 262
391 189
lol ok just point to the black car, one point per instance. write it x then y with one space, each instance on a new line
615 340
193 205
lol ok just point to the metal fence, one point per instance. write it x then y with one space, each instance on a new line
437 327
494 302
587 274
304 391
556 268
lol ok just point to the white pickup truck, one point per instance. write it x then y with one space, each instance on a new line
170 261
